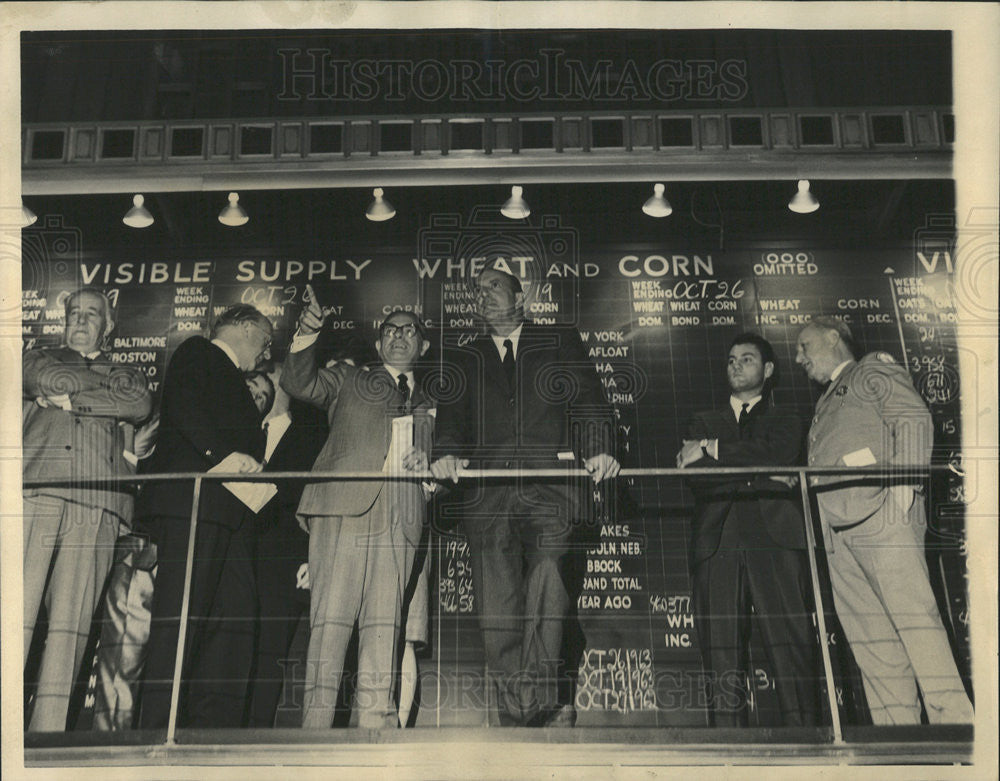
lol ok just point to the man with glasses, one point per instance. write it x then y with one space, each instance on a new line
363 534
208 420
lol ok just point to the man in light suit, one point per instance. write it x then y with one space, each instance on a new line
871 415
76 408
748 544
207 420
530 393
363 535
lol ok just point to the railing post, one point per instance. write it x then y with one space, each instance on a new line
831 691
175 688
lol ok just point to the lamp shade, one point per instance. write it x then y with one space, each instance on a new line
379 210
233 214
657 205
516 208
138 216
803 202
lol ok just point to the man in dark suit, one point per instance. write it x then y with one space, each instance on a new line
77 407
363 535
207 419
522 384
295 434
748 545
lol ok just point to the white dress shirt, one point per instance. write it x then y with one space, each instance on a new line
737 405
275 427
514 337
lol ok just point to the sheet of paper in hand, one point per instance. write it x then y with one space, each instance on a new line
402 441
253 495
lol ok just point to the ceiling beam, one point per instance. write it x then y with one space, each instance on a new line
458 169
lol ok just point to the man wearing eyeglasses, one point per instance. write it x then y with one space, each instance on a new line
363 534
208 420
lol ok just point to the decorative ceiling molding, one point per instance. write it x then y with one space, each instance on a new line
717 145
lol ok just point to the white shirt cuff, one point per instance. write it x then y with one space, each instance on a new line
301 341
62 400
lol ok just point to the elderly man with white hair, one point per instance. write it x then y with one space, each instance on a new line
871 415
78 409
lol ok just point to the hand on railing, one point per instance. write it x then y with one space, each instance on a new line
602 466
446 468
689 453
415 460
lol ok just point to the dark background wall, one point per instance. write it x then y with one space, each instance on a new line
87 75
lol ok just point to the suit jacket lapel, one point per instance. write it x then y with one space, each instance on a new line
283 444
491 360
418 398
728 423
841 379
755 413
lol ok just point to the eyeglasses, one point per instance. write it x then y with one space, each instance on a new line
390 330
267 344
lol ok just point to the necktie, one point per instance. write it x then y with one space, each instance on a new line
508 363
404 389
744 417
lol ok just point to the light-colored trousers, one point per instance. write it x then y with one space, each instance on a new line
121 657
883 597
68 550
358 570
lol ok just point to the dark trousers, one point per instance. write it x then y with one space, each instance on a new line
281 550
774 581
220 636
518 540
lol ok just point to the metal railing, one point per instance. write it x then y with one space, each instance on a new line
894 474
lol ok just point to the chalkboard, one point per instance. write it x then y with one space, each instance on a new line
656 322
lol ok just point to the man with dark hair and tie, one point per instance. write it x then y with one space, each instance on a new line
208 420
363 535
530 397
77 408
748 545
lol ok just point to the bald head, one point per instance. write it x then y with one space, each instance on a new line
822 346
